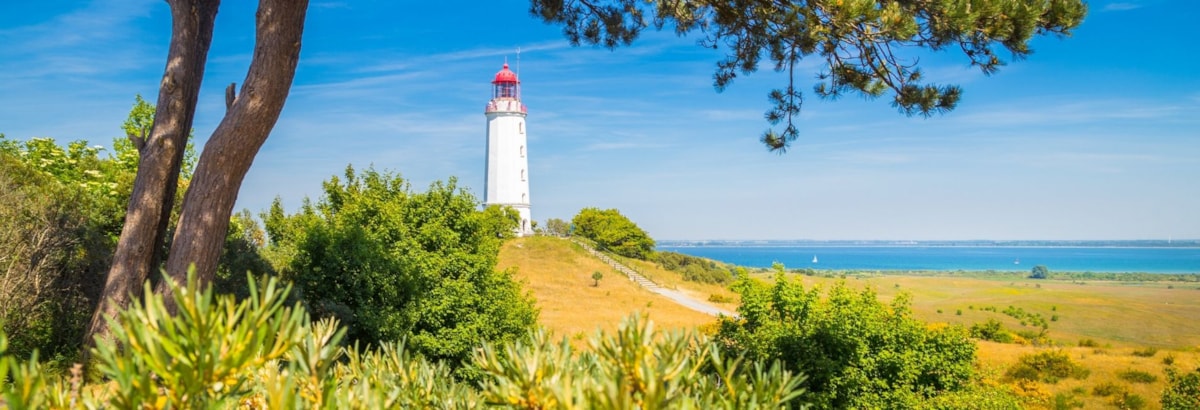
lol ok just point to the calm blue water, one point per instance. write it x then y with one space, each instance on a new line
947 258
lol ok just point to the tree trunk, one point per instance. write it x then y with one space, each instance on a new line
140 247
230 151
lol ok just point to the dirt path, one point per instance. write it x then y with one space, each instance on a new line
674 295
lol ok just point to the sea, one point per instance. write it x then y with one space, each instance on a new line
954 258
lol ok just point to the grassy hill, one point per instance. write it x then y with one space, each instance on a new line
559 275
1113 320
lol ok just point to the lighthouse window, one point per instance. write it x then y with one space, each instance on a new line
522 151
521 127
522 175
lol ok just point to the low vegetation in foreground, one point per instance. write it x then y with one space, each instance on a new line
260 353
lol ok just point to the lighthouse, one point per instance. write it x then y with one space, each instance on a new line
507 165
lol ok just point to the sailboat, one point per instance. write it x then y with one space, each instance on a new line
1017 261
814 258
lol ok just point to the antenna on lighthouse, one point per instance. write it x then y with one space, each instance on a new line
518 61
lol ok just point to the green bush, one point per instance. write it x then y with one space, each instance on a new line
1137 376
391 264
694 268
1183 390
57 237
856 351
1129 401
1147 352
1048 366
1066 400
63 208
718 298
1039 272
992 330
613 232
1107 389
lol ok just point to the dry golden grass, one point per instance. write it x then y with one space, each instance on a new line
1120 318
1104 364
559 275
1120 314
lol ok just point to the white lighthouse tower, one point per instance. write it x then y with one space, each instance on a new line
507 166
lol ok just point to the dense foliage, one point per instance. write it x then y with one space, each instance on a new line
1183 390
64 206
1048 366
695 269
259 353
392 264
53 258
613 232
63 209
856 351
1039 272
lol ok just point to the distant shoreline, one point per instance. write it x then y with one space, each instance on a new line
1098 257
1170 244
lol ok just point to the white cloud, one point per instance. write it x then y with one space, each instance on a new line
1120 6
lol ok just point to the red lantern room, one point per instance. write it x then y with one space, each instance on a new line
506 84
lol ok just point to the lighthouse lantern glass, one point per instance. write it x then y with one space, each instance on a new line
505 90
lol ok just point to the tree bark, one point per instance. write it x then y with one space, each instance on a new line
140 247
230 150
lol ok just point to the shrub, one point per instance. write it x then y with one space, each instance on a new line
694 268
257 353
1147 352
1032 392
856 351
55 244
1107 389
719 298
1088 343
633 368
1034 337
613 232
1129 401
1048 366
992 330
392 264
1137 376
1064 401
1039 272
1183 390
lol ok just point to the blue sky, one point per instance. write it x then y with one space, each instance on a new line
1092 137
